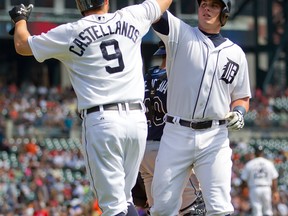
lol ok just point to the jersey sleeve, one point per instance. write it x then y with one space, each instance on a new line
148 11
242 89
167 29
53 44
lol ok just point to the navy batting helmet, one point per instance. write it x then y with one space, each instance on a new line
225 11
85 5
161 49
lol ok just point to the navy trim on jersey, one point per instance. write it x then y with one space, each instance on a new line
204 110
217 39
198 95
162 26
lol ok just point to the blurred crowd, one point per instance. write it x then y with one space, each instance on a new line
29 111
268 109
41 165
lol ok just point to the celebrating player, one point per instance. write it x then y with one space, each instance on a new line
155 102
208 93
102 54
261 175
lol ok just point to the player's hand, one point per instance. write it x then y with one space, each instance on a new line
235 120
20 12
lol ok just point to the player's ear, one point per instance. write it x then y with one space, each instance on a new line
107 4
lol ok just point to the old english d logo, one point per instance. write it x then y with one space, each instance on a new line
230 71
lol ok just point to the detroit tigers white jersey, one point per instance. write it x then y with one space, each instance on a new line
221 74
259 172
203 80
95 58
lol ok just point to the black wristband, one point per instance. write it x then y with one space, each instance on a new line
240 109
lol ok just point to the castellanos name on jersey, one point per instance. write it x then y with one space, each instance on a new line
101 53
92 33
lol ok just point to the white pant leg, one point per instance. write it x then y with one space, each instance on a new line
213 167
261 201
172 170
267 201
113 148
147 171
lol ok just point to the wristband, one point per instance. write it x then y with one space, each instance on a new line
240 109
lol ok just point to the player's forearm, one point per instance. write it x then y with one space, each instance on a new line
21 35
164 4
243 102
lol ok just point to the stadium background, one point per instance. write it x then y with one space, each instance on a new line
41 167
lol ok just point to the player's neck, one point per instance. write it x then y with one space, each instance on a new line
103 10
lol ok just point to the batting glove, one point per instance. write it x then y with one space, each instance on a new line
19 12
235 120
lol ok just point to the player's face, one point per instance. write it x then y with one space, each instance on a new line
209 15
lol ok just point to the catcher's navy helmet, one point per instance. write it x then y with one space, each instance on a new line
225 11
161 49
85 5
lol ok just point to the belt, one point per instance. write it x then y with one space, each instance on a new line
115 106
195 125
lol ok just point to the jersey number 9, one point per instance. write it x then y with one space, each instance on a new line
109 57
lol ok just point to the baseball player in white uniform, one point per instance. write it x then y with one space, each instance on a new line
208 93
261 176
102 55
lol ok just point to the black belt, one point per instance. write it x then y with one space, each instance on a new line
194 125
115 106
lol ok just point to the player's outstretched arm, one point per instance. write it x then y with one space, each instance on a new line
21 35
19 15
164 4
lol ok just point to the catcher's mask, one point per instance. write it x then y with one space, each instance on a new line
225 11
161 49
85 5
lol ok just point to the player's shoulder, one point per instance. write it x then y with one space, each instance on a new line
233 45
250 164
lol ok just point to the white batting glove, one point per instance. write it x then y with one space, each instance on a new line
235 120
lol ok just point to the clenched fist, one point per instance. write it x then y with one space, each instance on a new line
20 12
235 120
